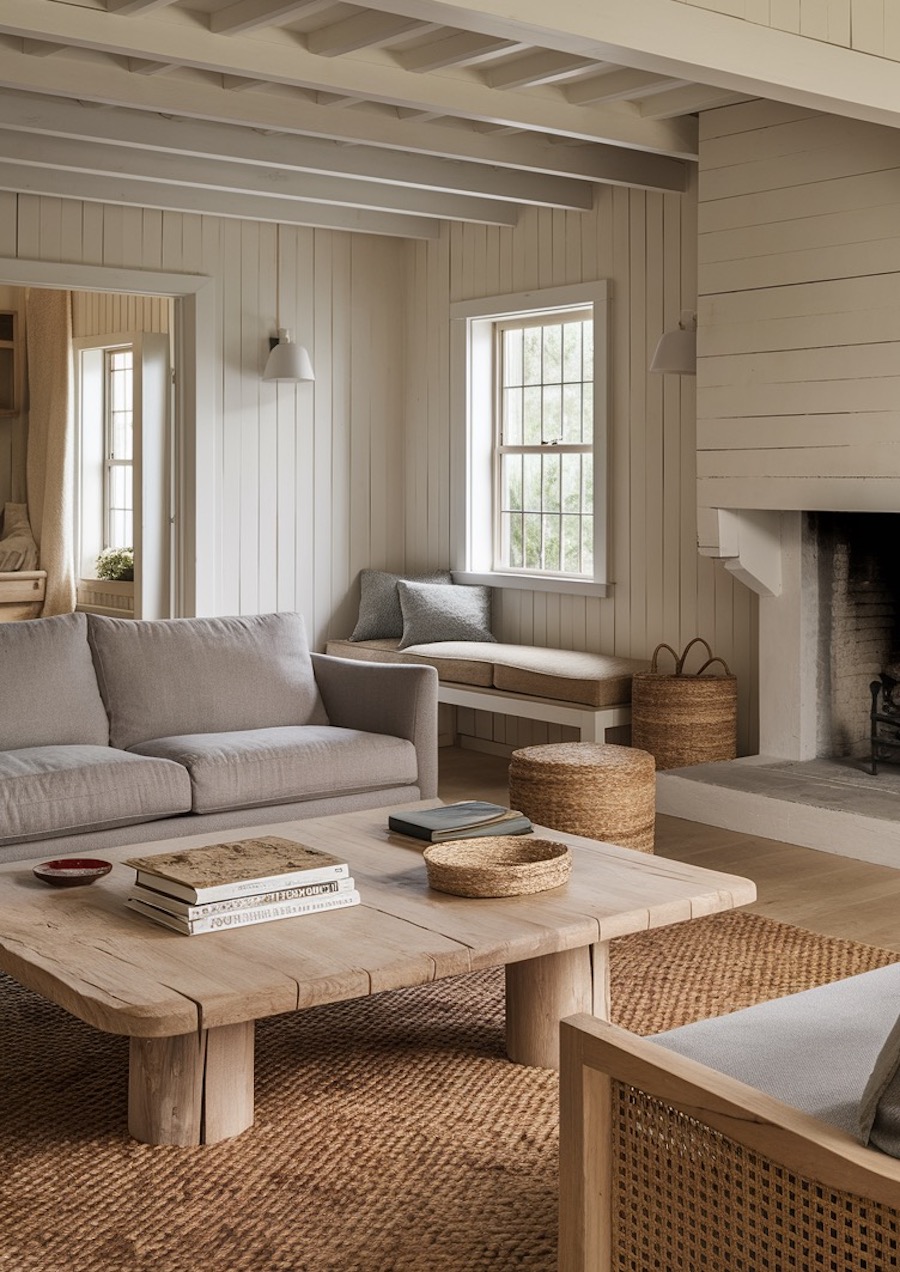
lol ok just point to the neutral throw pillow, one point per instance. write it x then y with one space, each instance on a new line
167 677
879 1107
434 611
50 693
380 617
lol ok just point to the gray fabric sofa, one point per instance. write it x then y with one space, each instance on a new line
115 731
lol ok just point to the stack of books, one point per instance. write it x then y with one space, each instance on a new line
235 884
463 820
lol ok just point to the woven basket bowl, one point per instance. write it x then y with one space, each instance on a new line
497 866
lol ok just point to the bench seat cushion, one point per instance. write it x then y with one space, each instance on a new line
591 680
62 790
459 662
813 1050
255 767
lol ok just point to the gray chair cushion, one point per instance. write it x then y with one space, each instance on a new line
62 790
251 768
168 677
50 693
444 612
380 616
813 1050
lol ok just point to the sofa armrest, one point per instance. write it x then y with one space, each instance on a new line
632 1112
393 698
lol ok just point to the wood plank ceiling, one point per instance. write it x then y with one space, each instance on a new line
312 112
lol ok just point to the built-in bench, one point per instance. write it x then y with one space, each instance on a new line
590 692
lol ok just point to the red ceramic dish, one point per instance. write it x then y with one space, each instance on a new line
72 872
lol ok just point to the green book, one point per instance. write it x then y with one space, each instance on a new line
463 820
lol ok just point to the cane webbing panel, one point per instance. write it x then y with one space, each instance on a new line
686 1198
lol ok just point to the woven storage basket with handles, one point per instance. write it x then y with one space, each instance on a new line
684 719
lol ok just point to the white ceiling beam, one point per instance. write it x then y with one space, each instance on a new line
146 194
128 163
689 43
140 66
111 85
39 117
252 15
276 57
363 30
41 48
535 68
136 6
615 86
461 49
238 84
686 100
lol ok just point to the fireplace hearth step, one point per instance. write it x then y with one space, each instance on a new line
837 805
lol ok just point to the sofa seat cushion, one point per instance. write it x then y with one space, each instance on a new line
62 790
167 677
254 767
813 1050
50 692
460 662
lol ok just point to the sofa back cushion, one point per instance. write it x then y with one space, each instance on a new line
166 677
50 693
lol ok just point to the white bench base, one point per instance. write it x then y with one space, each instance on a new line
591 722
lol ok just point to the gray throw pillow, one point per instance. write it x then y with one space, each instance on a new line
879 1106
50 692
166 677
380 617
434 611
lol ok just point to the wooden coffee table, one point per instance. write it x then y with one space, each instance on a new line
188 1003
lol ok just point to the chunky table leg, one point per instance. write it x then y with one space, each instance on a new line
193 1088
539 993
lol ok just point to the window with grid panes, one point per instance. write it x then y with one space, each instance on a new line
544 448
530 370
118 423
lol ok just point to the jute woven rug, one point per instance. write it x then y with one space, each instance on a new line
391 1136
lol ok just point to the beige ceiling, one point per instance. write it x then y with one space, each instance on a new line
377 119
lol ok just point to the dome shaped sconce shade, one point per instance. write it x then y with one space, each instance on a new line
287 360
677 350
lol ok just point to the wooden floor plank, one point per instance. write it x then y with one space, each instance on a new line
820 891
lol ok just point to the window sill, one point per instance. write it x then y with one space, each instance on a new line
534 583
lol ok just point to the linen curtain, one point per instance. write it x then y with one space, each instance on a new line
50 463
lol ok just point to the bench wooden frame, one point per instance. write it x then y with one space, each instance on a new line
592 722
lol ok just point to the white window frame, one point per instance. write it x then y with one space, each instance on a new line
473 413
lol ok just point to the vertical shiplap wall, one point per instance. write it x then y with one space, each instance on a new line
308 478
645 244
111 313
868 26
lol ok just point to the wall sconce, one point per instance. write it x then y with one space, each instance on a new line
287 360
677 350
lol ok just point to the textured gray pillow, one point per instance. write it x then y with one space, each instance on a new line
50 693
380 617
166 677
879 1106
434 611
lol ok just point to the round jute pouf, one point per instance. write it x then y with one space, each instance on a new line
587 788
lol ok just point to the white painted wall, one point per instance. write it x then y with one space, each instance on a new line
308 479
867 26
798 381
662 589
317 481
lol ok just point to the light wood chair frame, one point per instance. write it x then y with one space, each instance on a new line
598 1059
